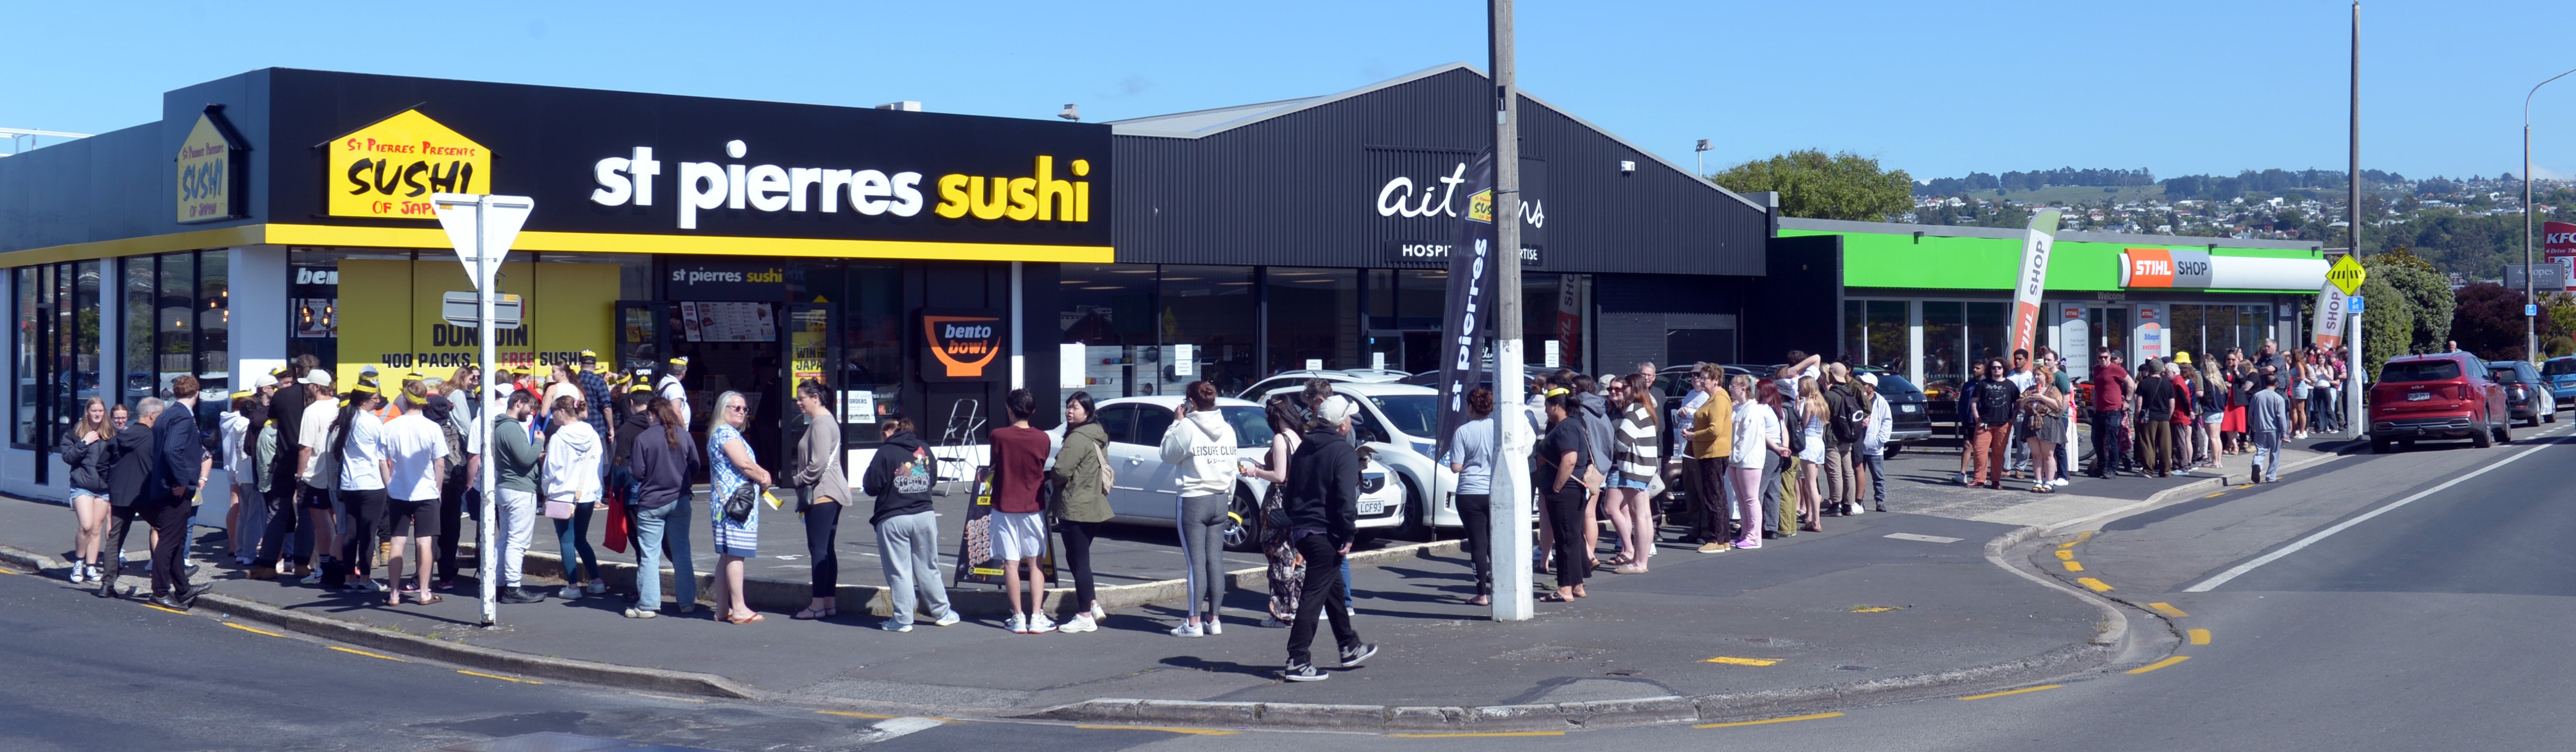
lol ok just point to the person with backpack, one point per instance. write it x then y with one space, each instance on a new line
1323 506
900 478
1082 479
1847 417
1200 446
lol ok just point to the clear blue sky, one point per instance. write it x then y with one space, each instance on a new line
1937 89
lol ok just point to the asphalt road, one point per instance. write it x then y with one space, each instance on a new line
2431 616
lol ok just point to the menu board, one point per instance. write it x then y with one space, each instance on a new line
704 321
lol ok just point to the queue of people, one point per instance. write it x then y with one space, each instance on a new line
2176 416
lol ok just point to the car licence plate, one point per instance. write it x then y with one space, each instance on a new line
1908 408
1372 506
2418 396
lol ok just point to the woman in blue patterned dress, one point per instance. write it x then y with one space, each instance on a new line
731 465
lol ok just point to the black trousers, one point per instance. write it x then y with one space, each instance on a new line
1077 557
283 518
2106 441
822 526
170 551
1323 593
459 502
1713 502
365 512
112 540
1565 517
1476 513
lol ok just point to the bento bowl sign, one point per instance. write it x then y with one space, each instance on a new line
963 345
388 169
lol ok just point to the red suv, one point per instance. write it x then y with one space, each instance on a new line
2438 396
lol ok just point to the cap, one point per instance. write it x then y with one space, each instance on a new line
1870 378
317 376
1338 409
263 381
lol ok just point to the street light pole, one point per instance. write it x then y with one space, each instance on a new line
2530 323
2353 379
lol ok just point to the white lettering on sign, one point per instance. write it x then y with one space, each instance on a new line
767 188
966 331
694 276
1398 199
317 277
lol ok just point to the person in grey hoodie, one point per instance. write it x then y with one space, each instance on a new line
1201 446
1595 413
2266 420
900 478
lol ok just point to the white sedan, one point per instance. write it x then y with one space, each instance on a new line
1147 491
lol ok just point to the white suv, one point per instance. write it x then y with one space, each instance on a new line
1147 490
1398 420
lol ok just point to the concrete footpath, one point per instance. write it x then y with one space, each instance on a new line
1880 607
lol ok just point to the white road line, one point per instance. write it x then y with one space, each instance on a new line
1923 538
894 727
2240 569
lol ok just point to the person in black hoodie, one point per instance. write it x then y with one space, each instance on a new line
84 450
900 479
1322 504
129 472
662 460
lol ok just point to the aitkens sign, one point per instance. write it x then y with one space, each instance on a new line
962 344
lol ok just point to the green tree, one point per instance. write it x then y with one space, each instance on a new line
2426 290
2387 325
1815 185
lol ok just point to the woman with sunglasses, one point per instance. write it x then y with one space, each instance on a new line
731 465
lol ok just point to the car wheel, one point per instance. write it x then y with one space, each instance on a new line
2504 433
1416 514
2549 417
1242 530
2484 439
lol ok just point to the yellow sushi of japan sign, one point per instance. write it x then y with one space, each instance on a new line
389 169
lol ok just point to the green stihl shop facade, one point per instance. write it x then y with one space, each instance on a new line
1929 300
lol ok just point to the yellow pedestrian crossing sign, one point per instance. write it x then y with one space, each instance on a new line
2347 275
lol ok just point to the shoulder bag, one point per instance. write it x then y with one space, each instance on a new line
739 504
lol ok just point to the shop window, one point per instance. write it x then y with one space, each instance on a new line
1109 312
868 383
2219 327
175 316
137 367
1987 335
2184 331
1553 315
1874 334
213 314
82 329
2253 325
1314 318
1944 334
1206 312
28 301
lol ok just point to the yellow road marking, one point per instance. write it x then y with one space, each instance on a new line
497 676
1875 609
6 570
2215 495
2168 610
1732 661
2200 637
2159 664
248 629
2098 586
1445 736
2008 692
2074 566
2063 554
1175 730
854 714
1732 724
368 654
2079 538
171 610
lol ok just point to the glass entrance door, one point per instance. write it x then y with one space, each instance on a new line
810 338
2108 326
643 336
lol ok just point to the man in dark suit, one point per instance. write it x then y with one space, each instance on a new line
179 466
129 473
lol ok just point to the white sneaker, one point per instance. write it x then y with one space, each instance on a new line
1040 624
1188 630
1213 625
1855 509
946 621
569 592
1079 624
1098 613
596 587
1019 624
79 575
2059 483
